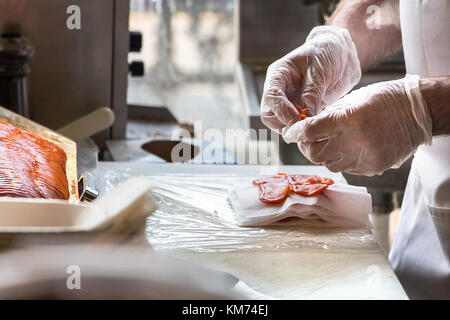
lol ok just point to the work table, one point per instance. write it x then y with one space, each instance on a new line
296 272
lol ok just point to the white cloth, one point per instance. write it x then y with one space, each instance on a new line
338 205
420 254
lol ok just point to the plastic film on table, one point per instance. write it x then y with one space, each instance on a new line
194 214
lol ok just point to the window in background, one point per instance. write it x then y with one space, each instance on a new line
189 55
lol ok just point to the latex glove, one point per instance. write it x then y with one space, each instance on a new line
369 130
314 75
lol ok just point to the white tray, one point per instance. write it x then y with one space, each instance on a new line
126 205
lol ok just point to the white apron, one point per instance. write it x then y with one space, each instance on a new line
420 254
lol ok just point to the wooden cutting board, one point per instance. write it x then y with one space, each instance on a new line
69 146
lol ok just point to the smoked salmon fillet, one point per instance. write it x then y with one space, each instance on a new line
31 167
276 189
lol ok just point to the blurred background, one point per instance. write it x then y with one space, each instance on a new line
189 54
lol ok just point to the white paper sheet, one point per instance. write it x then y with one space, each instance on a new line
338 205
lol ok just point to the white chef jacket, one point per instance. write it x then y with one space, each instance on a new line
420 253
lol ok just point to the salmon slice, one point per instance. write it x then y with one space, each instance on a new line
308 190
274 192
278 178
276 189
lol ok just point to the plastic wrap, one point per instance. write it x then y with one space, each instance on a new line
194 214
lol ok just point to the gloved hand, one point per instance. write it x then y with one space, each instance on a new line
367 131
314 75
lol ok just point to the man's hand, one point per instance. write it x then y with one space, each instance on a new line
368 131
313 75
329 64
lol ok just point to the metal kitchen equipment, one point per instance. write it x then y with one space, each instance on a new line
74 71
266 30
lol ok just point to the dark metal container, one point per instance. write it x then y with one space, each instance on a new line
15 52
